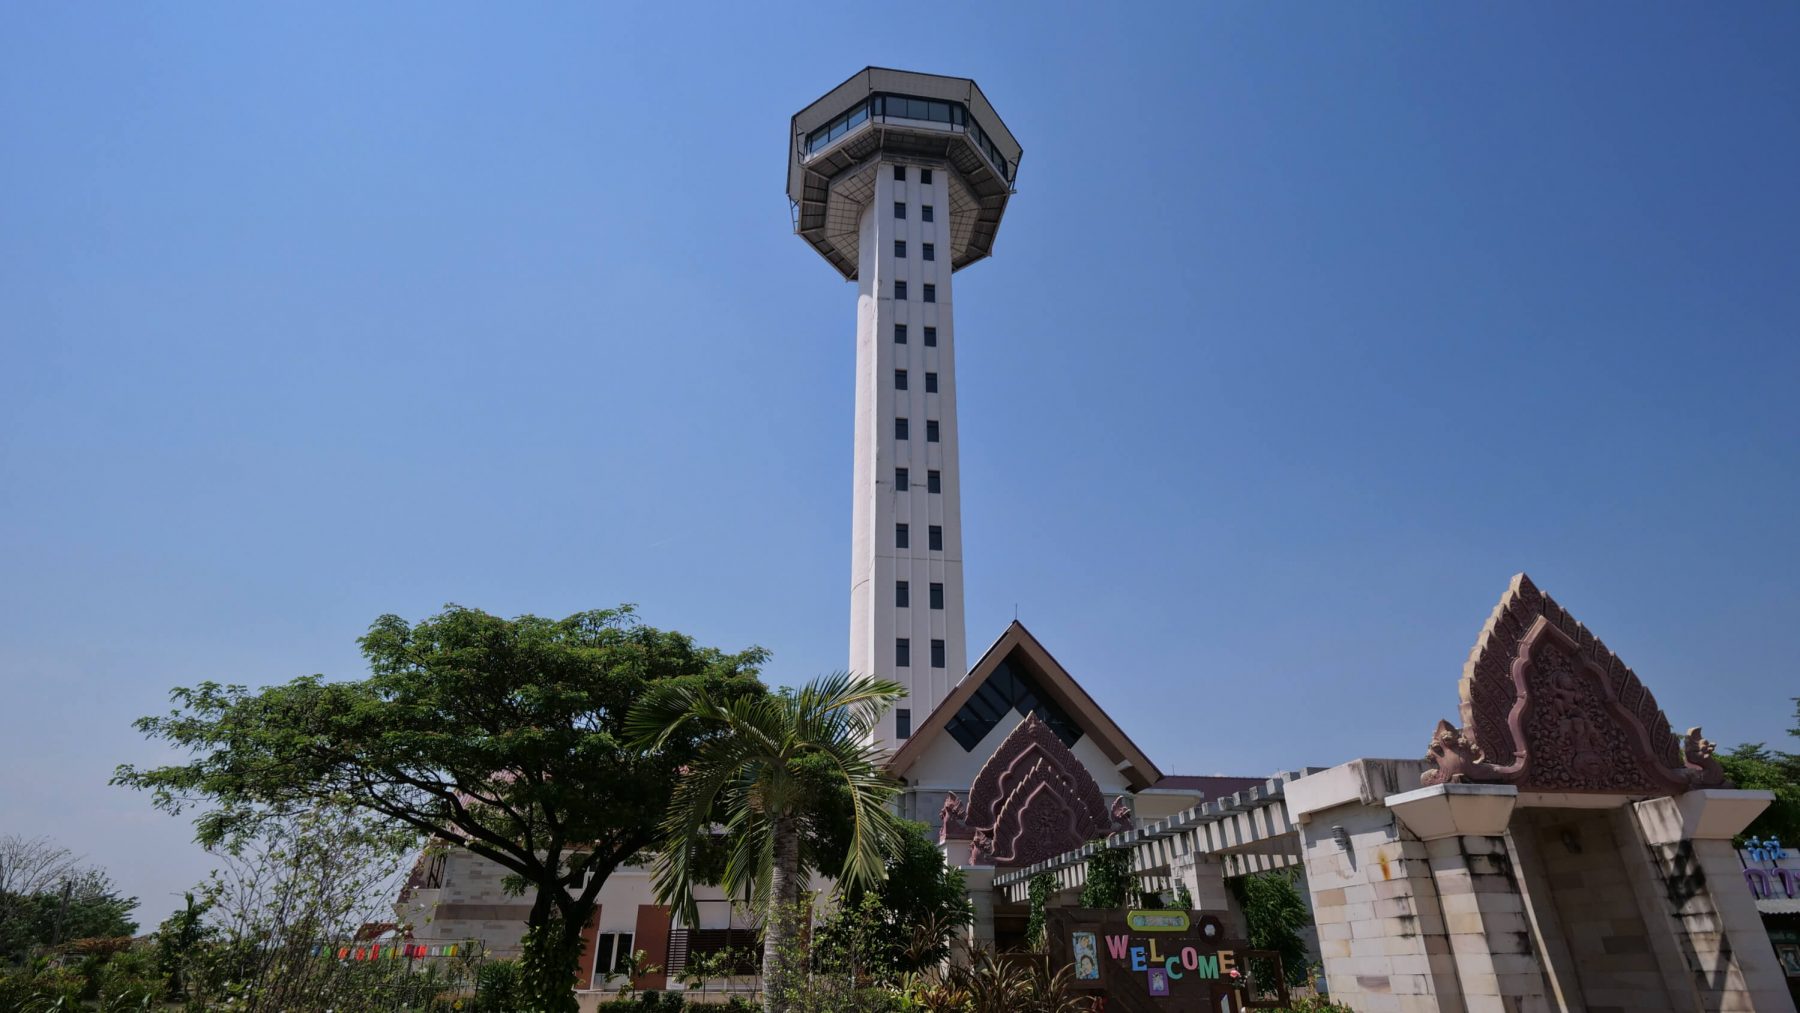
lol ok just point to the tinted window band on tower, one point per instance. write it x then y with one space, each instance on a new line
900 249
902 537
931 430
899 289
925 176
934 481
931 383
934 536
899 379
930 292
902 653
937 595
930 251
937 654
901 475
925 213
903 722
903 594
899 334
930 337
899 209
900 429
900 174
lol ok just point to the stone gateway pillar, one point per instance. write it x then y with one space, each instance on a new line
1563 849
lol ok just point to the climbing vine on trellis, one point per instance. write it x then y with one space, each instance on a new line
1108 879
1041 887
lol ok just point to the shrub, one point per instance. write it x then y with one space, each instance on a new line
497 988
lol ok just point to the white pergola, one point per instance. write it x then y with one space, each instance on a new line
1246 832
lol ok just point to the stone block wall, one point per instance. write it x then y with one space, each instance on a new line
1382 933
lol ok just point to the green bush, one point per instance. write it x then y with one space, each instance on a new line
497 988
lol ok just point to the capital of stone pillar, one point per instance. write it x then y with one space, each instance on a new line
1455 810
1704 814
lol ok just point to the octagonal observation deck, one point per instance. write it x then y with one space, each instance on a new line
921 119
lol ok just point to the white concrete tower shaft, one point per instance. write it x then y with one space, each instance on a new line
898 179
906 571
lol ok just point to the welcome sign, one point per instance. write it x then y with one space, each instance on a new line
1161 961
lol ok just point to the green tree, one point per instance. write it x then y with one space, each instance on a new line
905 922
762 773
1275 913
502 736
84 905
1754 765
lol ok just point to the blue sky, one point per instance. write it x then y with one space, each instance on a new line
1308 327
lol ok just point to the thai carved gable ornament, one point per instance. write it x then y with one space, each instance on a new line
1546 707
1033 800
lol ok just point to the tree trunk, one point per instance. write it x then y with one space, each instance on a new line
549 959
782 951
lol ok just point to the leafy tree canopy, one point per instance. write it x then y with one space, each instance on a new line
504 736
84 906
1754 765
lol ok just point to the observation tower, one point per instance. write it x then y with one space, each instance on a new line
898 180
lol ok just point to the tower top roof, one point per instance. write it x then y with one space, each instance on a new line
898 115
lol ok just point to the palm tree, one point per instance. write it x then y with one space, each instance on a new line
764 765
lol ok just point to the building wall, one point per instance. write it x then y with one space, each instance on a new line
876 622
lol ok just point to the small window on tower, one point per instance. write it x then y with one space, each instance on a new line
899 379
899 209
934 481
903 594
899 173
900 429
902 537
899 289
930 292
902 722
900 249
925 176
930 337
931 383
937 654
900 477
903 653
937 595
899 334
924 213
935 538
931 430
930 251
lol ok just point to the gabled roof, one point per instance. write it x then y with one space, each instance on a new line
1058 684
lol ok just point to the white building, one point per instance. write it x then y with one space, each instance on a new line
899 180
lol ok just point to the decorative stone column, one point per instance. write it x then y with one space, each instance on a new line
1204 877
1463 828
1719 934
1381 933
979 879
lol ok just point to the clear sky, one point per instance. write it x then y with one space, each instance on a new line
1310 324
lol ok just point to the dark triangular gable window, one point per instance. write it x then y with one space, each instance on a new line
1012 686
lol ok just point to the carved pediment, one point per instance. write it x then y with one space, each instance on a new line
1032 800
1547 707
